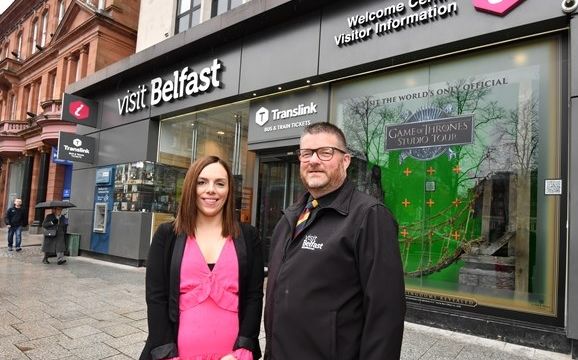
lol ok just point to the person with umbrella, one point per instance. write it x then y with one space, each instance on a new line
54 225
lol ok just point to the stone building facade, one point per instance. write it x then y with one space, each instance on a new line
46 45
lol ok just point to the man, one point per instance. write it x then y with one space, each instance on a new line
335 285
16 218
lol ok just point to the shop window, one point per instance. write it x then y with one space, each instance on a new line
459 151
188 14
219 131
15 180
145 186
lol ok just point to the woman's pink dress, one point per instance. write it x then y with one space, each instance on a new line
209 305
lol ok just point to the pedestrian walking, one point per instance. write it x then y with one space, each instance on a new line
335 285
16 218
204 277
55 225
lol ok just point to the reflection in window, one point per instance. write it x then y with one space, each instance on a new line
457 150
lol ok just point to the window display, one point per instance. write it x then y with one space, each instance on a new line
146 186
459 151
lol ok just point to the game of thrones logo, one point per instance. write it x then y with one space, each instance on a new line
429 133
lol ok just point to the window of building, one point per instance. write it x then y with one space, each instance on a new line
12 106
460 150
34 39
61 8
188 14
16 179
44 34
219 7
219 131
145 186
35 95
19 45
50 85
27 101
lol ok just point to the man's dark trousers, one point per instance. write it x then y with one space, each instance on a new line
15 230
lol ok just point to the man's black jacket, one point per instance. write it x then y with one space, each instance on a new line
336 292
16 217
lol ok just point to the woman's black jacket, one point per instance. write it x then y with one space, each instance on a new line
163 284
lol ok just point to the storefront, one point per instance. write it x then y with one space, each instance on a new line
456 114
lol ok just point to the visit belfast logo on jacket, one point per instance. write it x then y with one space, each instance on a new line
310 243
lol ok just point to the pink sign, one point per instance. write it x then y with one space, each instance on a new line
496 7
79 110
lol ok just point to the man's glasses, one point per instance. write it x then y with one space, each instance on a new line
323 153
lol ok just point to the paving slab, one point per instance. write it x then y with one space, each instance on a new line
90 309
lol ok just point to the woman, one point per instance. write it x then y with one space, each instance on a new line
204 277
55 244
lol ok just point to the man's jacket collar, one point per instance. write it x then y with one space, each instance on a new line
339 204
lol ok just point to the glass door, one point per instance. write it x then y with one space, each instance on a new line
279 187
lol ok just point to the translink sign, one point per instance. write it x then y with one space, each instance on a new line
263 114
279 120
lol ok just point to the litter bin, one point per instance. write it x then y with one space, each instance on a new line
72 243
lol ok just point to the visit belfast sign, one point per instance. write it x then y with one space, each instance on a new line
182 83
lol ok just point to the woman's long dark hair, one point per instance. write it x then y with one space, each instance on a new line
186 218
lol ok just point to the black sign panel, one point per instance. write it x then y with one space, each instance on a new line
76 147
283 118
443 132
79 110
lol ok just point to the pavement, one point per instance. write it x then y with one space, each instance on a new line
90 309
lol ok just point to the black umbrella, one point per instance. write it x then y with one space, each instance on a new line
54 204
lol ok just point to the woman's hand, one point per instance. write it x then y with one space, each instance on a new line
228 357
